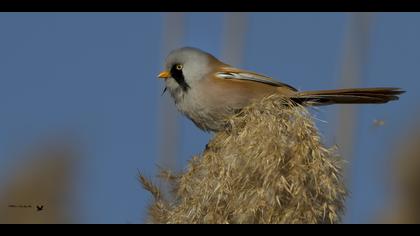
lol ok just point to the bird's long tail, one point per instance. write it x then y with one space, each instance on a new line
347 96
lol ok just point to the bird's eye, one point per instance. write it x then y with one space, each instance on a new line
178 67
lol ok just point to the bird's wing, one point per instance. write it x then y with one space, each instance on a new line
238 74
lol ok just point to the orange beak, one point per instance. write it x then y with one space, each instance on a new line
164 75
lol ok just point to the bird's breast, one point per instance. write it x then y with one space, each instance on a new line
210 103
206 113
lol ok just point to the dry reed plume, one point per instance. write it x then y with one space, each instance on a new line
405 180
270 166
46 183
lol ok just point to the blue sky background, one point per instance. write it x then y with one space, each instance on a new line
93 75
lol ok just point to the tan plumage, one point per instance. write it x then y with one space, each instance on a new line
348 96
209 91
319 97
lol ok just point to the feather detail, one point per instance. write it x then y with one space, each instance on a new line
348 96
238 74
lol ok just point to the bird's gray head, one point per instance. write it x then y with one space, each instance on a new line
185 66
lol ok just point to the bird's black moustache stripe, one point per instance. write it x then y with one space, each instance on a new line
164 90
179 78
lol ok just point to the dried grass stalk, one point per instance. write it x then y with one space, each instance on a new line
269 166
404 179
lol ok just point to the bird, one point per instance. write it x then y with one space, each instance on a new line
39 208
209 91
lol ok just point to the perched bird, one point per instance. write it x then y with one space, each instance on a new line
208 91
